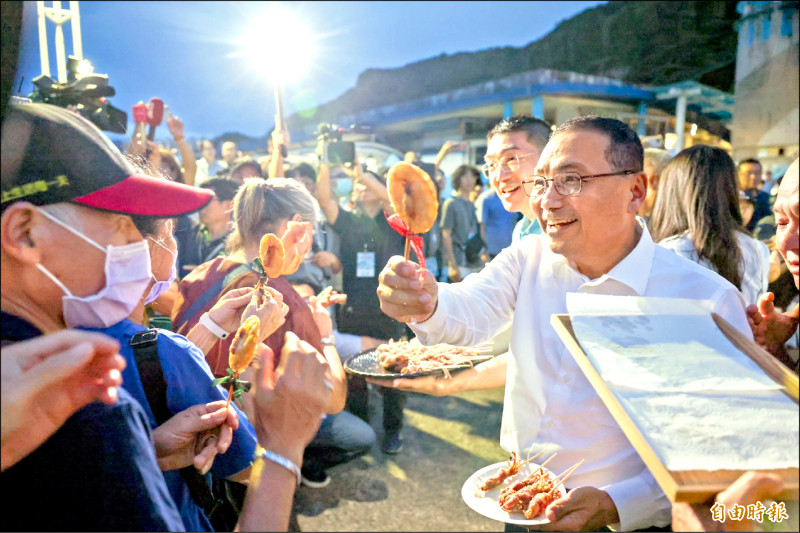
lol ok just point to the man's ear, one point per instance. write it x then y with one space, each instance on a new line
17 233
296 218
638 192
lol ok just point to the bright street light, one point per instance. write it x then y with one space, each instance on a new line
280 46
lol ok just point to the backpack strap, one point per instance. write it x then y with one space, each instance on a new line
213 291
145 351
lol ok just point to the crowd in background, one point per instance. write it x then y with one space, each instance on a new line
198 289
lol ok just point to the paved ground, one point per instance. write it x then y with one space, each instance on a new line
446 441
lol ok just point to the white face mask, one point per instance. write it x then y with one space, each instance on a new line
161 286
127 270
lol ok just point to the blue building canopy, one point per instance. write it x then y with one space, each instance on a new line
708 101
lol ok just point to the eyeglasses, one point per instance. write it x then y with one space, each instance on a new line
512 163
567 184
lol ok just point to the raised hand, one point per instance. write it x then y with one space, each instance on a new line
270 310
47 379
289 403
227 312
297 242
770 329
322 318
175 126
407 292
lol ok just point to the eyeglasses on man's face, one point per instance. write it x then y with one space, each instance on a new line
566 184
512 163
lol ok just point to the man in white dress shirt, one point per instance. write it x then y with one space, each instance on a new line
586 190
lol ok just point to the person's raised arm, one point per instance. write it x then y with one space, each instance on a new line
325 198
373 185
288 413
233 308
280 137
324 322
175 126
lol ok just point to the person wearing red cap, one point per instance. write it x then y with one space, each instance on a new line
72 256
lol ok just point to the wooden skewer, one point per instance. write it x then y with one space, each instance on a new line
567 473
526 461
544 463
407 252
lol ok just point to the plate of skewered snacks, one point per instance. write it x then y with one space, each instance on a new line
515 492
410 359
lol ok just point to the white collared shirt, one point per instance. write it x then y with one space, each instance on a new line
754 266
549 404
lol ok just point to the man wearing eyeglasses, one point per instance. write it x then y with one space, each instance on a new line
513 148
585 191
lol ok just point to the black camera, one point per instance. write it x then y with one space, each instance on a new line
339 152
87 93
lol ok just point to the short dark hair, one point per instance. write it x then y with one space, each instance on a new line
461 171
303 169
223 188
624 152
240 164
751 161
537 129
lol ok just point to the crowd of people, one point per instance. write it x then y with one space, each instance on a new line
126 277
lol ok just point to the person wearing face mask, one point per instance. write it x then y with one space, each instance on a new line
262 207
72 256
186 373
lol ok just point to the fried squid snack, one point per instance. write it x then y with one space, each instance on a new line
272 255
243 350
414 199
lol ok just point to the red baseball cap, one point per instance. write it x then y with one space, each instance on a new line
51 155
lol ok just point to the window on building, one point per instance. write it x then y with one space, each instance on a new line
751 32
786 22
766 26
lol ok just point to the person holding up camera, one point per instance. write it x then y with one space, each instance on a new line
367 241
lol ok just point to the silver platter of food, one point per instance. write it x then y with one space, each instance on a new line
410 359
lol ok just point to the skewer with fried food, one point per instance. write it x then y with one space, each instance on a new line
512 468
538 504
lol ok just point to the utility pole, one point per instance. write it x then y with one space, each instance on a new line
680 111
59 16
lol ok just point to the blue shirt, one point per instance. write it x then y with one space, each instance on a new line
98 472
526 226
498 223
188 379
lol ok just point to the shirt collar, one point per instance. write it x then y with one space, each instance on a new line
633 270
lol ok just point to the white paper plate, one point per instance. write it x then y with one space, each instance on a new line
488 505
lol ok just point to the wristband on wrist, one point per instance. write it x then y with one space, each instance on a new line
212 326
329 340
262 454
